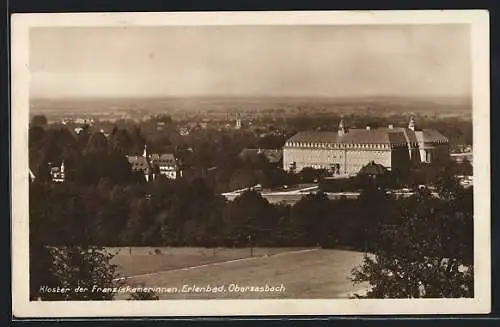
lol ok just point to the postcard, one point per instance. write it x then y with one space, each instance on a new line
250 163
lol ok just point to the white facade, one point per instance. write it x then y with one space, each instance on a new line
169 171
340 159
347 151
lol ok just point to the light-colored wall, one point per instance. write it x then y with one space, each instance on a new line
311 157
357 158
168 171
352 157
351 160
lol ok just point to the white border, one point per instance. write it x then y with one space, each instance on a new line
21 23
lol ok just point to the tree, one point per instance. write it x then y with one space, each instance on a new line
39 120
273 177
271 141
310 175
40 271
138 141
60 238
242 178
122 141
87 268
249 215
36 134
97 141
373 211
309 217
427 254
465 167
447 184
138 221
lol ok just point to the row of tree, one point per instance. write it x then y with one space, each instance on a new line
180 213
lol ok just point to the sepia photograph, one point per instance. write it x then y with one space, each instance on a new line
274 163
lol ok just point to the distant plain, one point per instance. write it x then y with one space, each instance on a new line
220 107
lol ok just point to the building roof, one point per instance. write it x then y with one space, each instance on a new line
319 137
164 159
139 163
397 138
365 136
384 135
433 136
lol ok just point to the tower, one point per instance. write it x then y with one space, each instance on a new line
62 168
341 130
411 124
145 152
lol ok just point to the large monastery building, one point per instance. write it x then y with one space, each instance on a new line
346 151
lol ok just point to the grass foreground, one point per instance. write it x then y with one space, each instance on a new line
222 273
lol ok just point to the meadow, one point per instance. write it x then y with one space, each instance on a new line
304 273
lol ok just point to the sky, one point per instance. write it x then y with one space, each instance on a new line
326 61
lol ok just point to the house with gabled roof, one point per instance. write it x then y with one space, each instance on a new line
153 165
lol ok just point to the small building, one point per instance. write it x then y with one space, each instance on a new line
183 131
155 164
142 164
57 173
167 165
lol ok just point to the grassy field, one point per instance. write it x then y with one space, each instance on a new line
186 273
143 260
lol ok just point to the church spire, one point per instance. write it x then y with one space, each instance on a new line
411 124
341 130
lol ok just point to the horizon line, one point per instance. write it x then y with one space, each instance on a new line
81 97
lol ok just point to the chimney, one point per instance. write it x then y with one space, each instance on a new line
367 128
391 126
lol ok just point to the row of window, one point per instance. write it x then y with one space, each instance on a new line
338 145
350 154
